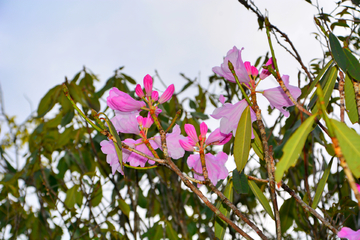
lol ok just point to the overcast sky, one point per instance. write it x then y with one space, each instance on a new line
41 42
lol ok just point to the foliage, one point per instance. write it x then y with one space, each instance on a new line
65 187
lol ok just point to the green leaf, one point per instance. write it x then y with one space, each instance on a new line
293 148
327 86
242 140
170 232
321 73
286 215
261 197
48 101
124 207
350 101
240 182
96 194
321 186
70 199
220 225
353 65
338 52
349 142
257 146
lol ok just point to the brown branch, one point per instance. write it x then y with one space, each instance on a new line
308 208
269 164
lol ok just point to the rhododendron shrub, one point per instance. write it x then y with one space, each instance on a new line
203 161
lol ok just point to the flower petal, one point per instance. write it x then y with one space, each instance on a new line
148 85
166 96
191 132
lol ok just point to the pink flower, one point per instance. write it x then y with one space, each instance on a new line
348 233
139 91
358 187
166 96
125 122
265 73
118 100
234 56
214 165
148 85
279 99
108 148
218 138
135 159
251 70
230 115
172 140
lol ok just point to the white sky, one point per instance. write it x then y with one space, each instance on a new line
41 42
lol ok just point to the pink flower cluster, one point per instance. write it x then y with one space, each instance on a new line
215 165
230 113
128 120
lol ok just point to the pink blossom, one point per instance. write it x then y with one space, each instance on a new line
203 130
139 91
251 70
222 99
234 56
348 233
215 166
191 132
173 143
145 122
125 122
148 85
187 144
358 187
218 138
230 115
118 100
279 99
166 96
155 95
265 73
135 159
108 148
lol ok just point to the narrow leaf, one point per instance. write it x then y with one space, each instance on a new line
70 199
353 65
242 140
96 194
256 144
338 52
349 142
321 185
350 101
293 147
124 207
241 185
170 232
321 73
261 197
286 215
48 101
220 225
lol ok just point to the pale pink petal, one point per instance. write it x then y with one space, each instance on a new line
137 160
222 99
194 162
218 138
203 129
230 115
348 233
148 85
234 56
173 143
118 100
215 166
191 132
166 96
125 122
139 91
277 97
108 148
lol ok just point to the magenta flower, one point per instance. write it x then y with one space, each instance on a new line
125 122
108 148
135 159
234 56
265 73
251 70
218 138
148 85
172 140
166 96
215 166
358 187
279 99
348 233
230 115
118 100
139 91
